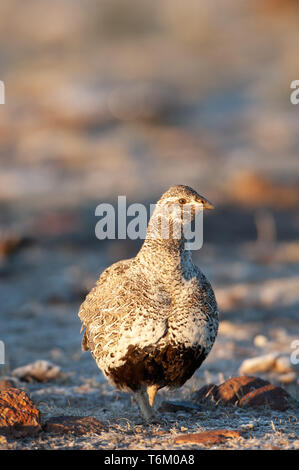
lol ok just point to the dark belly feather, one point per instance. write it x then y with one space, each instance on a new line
169 366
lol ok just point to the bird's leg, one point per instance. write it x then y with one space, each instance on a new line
151 391
142 400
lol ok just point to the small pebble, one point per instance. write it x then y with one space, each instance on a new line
260 341
288 378
258 364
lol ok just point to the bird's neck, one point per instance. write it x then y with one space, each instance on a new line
165 256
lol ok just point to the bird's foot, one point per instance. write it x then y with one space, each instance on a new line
146 410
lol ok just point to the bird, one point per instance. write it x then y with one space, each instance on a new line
150 321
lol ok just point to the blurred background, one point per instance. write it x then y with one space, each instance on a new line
128 97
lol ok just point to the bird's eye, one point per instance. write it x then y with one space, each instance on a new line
182 201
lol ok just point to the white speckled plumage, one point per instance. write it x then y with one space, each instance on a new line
151 316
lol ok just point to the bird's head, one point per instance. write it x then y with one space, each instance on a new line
185 198
178 207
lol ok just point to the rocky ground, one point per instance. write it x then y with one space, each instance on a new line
41 290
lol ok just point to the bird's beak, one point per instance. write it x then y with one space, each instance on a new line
206 204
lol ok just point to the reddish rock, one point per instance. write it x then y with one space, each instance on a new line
245 391
19 416
206 393
208 438
274 397
232 390
78 425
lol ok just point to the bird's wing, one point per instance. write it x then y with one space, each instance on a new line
119 310
101 296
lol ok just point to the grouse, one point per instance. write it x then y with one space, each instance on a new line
150 321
